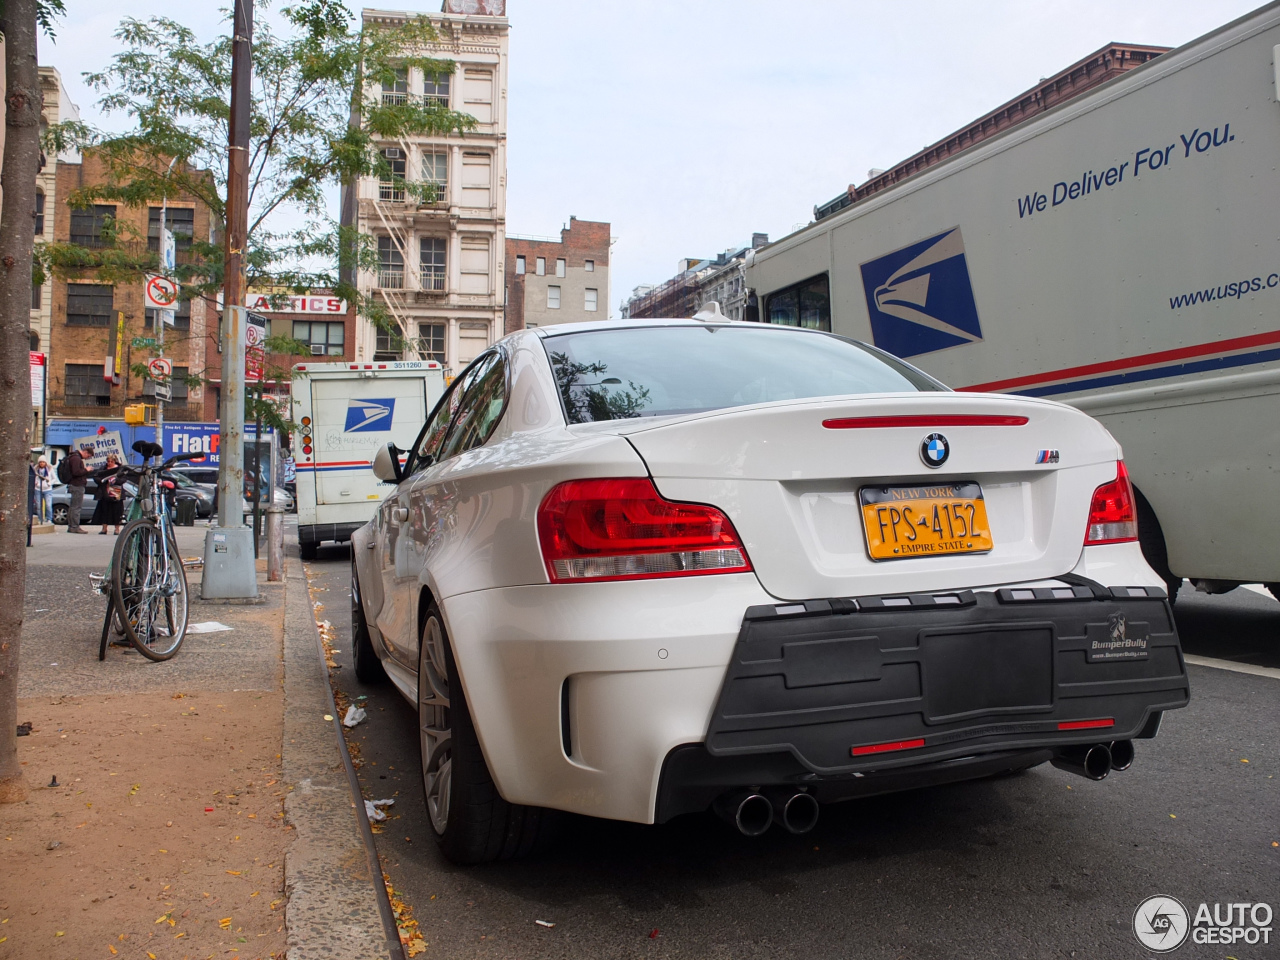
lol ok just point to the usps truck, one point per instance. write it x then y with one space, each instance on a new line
343 413
1121 253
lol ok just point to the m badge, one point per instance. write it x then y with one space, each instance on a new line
364 416
919 298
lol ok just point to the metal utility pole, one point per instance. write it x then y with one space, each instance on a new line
229 568
168 262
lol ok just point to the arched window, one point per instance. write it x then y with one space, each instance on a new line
39 213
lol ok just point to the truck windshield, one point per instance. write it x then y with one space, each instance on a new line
660 371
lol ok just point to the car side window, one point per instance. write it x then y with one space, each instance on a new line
481 407
433 435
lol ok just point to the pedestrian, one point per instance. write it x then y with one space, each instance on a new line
44 491
75 486
109 510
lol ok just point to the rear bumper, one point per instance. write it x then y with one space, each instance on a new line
641 700
320 532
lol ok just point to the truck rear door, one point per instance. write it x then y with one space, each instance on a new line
353 417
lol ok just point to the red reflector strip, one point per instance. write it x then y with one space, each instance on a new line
921 420
1086 724
887 747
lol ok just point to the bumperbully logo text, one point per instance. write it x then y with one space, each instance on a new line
919 298
368 415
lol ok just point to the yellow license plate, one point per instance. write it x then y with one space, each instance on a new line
929 520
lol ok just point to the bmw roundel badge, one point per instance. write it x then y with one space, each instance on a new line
934 450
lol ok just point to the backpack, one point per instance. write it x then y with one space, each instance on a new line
64 469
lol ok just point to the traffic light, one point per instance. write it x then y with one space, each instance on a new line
139 413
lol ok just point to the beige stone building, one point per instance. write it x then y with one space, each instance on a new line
440 270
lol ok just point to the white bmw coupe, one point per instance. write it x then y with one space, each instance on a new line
637 569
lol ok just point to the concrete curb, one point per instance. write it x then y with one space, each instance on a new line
333 910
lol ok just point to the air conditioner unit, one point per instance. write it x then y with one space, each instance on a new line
317 349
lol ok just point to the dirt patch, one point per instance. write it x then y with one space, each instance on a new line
164 837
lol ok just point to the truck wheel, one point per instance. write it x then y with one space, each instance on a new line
1151 539
473 824
307 551
368 666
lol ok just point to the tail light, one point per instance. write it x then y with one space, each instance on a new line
622 529
1112 518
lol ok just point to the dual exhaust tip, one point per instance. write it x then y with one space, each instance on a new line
753 812
1096 761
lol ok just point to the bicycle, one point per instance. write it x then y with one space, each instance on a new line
146 584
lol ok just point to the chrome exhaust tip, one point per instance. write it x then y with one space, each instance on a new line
800 813
1090 762
1121 754
750 812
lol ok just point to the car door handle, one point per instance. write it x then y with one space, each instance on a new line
399 514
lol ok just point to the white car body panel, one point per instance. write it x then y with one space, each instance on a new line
646 659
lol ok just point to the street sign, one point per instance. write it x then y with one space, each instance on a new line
161 368
164 391
168 250
162 293
144 343
255 351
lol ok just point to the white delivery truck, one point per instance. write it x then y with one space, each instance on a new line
1121 253
343 413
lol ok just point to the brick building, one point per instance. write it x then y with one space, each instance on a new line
97 330
558 281
323 323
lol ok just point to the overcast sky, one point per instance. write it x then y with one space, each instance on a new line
690 125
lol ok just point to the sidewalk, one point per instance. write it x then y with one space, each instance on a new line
201 806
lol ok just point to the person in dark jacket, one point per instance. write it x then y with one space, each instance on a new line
79 480
109 510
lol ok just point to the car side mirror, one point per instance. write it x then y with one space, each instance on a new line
386 463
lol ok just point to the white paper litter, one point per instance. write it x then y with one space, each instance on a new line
372 811
209 626
544 923
354 715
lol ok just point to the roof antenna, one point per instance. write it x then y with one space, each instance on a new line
709 312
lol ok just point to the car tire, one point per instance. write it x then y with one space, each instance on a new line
60 512
471 820
307 551
367 665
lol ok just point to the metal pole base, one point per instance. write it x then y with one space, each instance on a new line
229 570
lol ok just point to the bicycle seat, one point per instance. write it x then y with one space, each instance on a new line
146 448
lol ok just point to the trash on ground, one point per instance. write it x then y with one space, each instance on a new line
354 716
372 809
208 626
544 923
192 563
24 729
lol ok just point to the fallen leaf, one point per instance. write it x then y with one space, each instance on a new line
224 923
164 851
653 934
134 789
544 923
112 949
151 955
1243 760
1173 816
234 873
60 933
163 918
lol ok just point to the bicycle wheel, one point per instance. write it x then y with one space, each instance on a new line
149 589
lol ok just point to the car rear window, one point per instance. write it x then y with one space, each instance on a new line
660 371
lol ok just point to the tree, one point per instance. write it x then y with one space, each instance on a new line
23 102
312 129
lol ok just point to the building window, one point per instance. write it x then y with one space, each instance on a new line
592 300
39 212
83 386
181 316
431 260
589 266
519 265
391 179
541 267
474 265
553 298
181 222
390 264
560 267
431 340
37 296
477 94
93 226
477 177
806 304
435 89
435 171
387 345
397 91
89 305
322 339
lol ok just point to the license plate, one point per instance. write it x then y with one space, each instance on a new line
924 521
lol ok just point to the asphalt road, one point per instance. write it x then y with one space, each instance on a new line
1040 865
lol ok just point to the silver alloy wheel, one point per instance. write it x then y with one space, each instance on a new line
433 723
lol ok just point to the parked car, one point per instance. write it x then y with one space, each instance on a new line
185 490
644 568
207 477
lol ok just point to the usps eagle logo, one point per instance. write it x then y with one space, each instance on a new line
364 416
